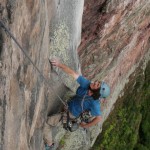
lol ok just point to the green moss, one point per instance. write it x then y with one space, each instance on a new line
62 142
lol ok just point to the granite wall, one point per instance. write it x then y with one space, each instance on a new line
115 38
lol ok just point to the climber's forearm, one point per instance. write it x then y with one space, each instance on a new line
65 68
69 71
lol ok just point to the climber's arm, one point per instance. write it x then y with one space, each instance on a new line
65 68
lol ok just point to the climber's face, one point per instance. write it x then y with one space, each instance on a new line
95 85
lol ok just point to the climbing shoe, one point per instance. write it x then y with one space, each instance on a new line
47 147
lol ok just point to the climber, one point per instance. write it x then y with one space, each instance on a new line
87 98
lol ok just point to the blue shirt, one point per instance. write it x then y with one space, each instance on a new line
89 103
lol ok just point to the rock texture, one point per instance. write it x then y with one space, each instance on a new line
115 38
25 99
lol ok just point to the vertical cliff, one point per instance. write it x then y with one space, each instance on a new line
115 38
44 29
23 93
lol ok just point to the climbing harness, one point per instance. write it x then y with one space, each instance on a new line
45 80
69 124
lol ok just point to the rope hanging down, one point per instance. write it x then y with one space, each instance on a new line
46 81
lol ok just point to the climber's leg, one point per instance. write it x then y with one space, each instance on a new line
52 121
47 134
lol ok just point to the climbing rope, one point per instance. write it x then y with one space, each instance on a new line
46 81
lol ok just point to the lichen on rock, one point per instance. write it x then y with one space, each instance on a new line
59 49
60 43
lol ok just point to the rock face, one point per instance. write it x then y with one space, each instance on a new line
25 99
115 38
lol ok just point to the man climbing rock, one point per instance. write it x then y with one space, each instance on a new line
87 98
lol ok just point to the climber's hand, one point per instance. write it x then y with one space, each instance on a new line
66 69
55 62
